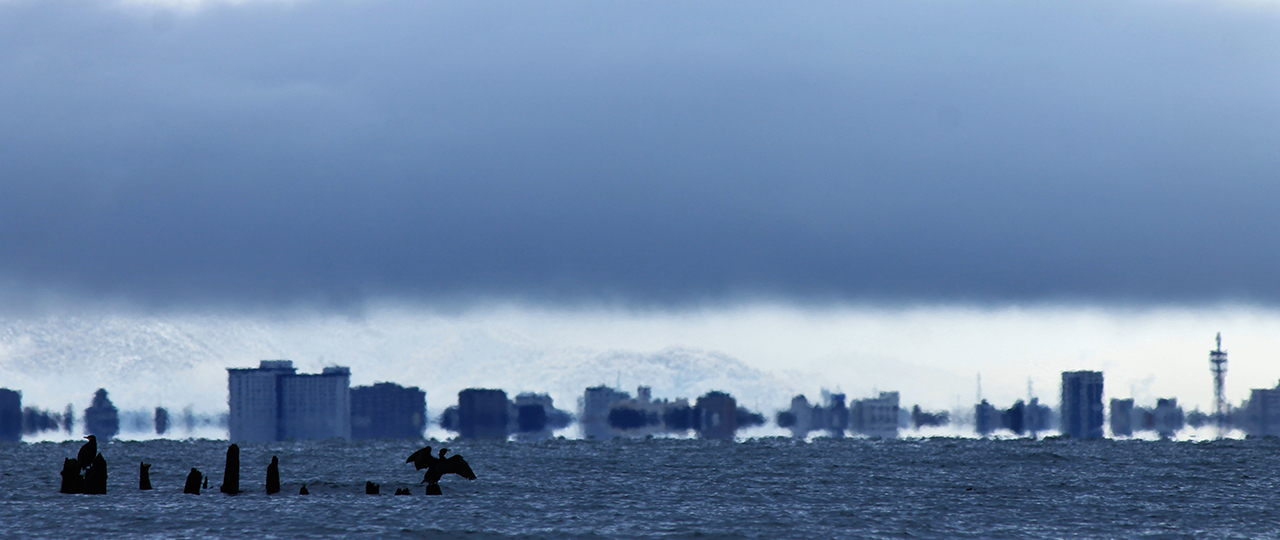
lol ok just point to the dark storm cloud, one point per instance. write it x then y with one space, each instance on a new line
648 152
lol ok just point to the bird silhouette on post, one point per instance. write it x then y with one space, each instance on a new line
144 475
451 465
87 452
438 466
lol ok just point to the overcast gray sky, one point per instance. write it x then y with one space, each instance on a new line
649 153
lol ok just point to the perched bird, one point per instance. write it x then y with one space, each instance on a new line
88 452
453 465
422 459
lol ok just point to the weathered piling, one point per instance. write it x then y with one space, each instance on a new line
231 475
273 476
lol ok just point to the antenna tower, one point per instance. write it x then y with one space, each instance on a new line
1218 365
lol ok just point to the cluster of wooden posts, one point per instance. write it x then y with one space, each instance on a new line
92 478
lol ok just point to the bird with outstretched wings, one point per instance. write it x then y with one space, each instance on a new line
450 465
422 459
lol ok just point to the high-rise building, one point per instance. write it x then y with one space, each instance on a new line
536 416
10 415
1122 417
316 406
1038 417
717 415
1082 412
162 420
876 417
1262 413
597 401
101 419
483 413
254 399
1167 417
986 418
837 414
388 411
274 402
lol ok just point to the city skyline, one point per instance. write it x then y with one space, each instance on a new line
275 402
907 350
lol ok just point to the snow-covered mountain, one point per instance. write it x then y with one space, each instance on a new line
175 361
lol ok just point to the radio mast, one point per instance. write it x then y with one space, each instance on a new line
1218 365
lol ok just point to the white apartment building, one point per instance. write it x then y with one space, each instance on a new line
274 402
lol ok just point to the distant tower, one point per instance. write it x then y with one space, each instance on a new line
1218 365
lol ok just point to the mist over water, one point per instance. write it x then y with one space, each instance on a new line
761 354
180 361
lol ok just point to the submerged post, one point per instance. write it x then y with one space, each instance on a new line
193 482
72 481
144 475
273 476
95 479
231 476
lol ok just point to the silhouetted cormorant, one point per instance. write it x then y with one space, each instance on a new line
88 452
144 475
442 466
421 459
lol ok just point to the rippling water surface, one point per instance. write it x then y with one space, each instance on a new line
667 488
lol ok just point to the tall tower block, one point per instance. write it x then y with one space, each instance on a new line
1218 365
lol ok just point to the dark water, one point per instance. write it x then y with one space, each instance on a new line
663 488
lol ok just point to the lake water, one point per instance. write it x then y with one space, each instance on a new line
668 488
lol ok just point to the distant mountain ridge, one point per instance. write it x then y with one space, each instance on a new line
179 360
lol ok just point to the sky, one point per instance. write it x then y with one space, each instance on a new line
1094 180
